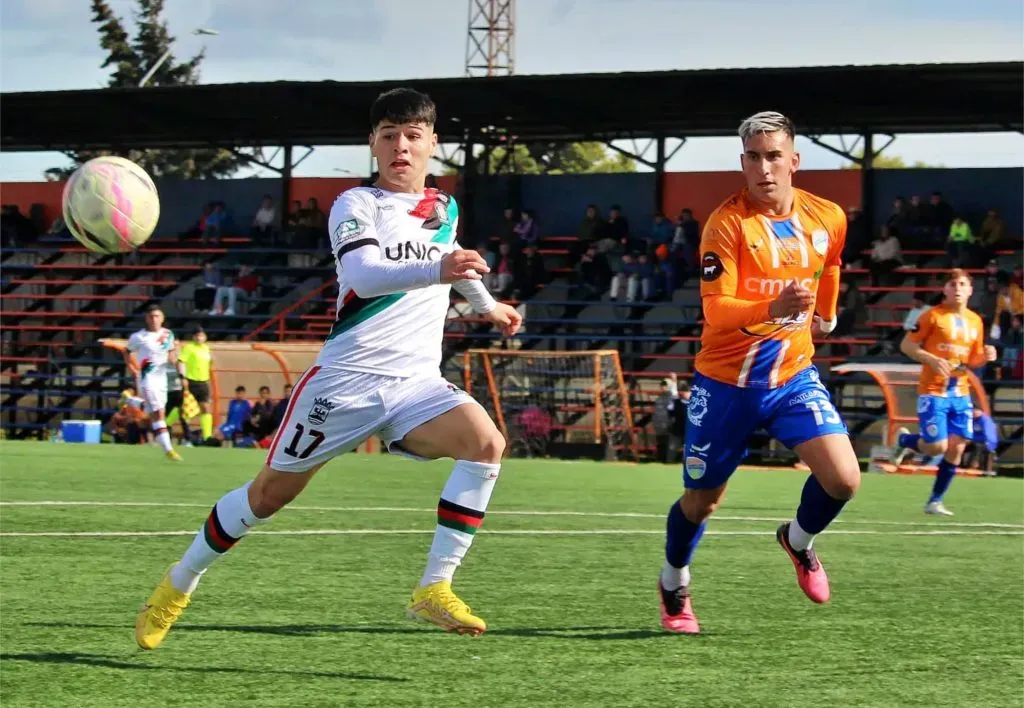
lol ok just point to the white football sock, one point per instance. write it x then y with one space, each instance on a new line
229 521
799 539
459 514
673 578
162 437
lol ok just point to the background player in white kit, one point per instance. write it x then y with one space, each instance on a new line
378 373
155 348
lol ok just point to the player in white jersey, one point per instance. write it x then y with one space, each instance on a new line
378 373
155 349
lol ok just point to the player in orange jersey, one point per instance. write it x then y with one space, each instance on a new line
769 280
947 340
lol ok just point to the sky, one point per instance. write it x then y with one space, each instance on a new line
51 45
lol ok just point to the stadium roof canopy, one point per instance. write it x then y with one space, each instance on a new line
823 100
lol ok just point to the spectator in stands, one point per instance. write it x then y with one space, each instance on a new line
592 275
264 222
664 273
939 217
886 256
280 408
293 223
991 235
1011 341
239 410
669 419
959 243
529 274
503 273
917 218
261 418
898 219
204 295
245 285
917 309
987 290
685 245
527 230
212 225
852 309
858 236
313 226
661 232
589 230
507 228
617 229
635 276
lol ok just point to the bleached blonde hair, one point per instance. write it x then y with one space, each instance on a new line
766 122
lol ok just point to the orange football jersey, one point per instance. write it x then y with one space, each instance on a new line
957 338
749 255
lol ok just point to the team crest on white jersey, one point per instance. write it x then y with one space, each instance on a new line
320 410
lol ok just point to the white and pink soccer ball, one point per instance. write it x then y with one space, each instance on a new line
111 205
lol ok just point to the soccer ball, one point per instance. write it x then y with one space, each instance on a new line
111 205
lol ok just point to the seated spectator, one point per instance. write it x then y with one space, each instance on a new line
245 285
664 275
940 214
280 408
212 225
589 230
898 219
592 275
529 274
856 237
239 410
261 418
852 309
916 222
1011 342
503 272
204 295
685 245
661 233
991 235
264 222
527 230
960 243
985 300
313 226
886 257
507 228
293 223
616 231
636 274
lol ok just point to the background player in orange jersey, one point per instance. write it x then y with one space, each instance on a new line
948 339
769 278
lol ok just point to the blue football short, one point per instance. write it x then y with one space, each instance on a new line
942 416
722 417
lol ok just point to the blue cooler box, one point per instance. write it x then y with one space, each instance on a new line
80 431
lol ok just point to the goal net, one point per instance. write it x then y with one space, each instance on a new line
543 400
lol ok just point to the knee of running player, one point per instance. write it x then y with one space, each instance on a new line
484 444
954 451
271 491
931 449
699 504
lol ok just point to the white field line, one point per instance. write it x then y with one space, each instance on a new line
503 512
516 532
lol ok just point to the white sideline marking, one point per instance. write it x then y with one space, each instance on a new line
509 532
510 512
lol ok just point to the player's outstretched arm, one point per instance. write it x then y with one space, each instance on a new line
507 318
369 275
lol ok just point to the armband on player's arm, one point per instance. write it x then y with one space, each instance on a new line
476 294
828 298
727 312
370 276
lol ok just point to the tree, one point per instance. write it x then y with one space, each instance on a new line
887 162
554 159
129 58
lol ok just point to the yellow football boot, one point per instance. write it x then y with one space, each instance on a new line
173 456
437 604
162 609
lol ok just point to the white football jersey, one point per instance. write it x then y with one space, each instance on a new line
152 349
398 334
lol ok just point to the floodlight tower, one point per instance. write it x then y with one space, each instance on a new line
490 42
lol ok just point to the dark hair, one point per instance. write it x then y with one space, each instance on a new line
239 388
155 307
264 388
402 105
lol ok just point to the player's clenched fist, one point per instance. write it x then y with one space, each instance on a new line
506 317
990 352
791 301
462 265
944 367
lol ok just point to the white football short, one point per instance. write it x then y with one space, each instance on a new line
153 390
332 411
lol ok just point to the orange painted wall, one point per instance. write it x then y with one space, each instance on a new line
703 191
25 194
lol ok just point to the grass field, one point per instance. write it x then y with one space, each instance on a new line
310 612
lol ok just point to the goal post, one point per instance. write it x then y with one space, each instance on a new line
539 399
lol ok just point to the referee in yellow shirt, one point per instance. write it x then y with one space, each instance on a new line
196 358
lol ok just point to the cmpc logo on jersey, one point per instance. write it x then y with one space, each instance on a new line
321 409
